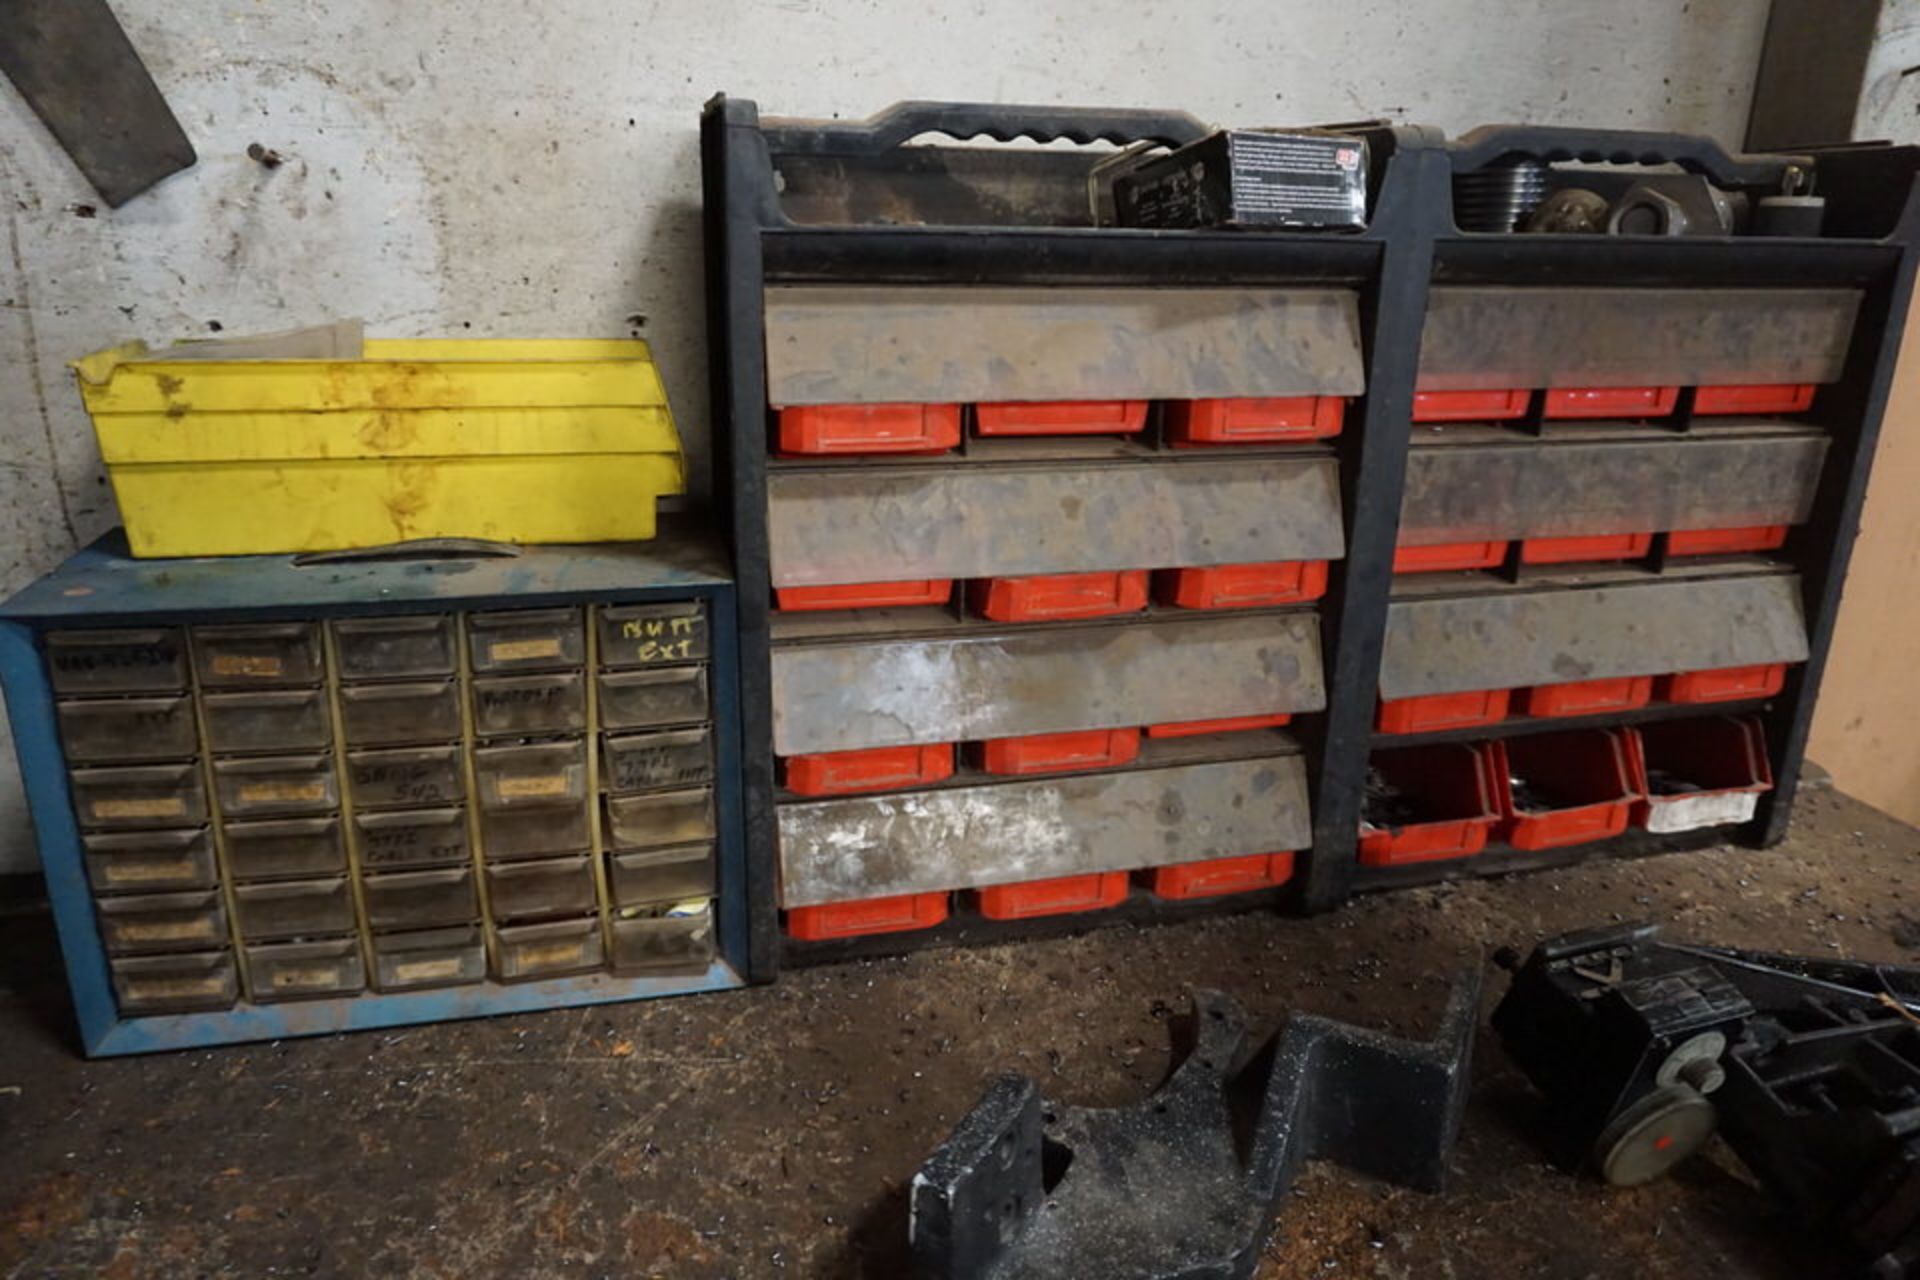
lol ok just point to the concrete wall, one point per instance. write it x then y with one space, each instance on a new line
472 167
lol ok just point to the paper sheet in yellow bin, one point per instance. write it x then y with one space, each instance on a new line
518 441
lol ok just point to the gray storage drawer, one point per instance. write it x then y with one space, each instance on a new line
533 833
421 899
528 951
258 655
429 958
266 786
526 640
129 660
292 970
394 648
294 908
95 730
544 887
653 761
652 635
378 715
278 848
163 922
268 720
412 838
661 818
184 983
663 942
410 776
153 795
531 775
151 861
642 877
650 698
554 702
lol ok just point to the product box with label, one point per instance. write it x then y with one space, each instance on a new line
1249 178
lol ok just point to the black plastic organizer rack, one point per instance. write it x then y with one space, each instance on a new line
809 222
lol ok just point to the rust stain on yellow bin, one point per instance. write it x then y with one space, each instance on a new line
518 441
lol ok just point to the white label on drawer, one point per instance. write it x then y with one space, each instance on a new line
427 970
524 650
552 953
165 807
167 988
663 650
118 872
282 792
247 664
284 979
168 931
1710 809
552 784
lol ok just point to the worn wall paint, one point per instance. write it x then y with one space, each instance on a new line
485 169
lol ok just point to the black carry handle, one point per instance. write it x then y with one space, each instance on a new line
1482 146
1003 122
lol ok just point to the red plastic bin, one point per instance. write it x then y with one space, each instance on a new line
869 428
1722 758
1587 697
1440 556
1442 711
1584 774
1054 897
1216 877
839 773
1599 546
1497 405
867 916
1243 586
1059 595
1055 752
864 595
1060 418
1449 786
1231 724
1720 542
1771 397
1611 402
1725 684
1255 420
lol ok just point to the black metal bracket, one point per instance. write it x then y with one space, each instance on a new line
1187 1182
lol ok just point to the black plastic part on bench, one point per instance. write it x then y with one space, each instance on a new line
1186 1183
836 202
1810 1068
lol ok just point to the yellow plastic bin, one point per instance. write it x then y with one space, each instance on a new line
517 441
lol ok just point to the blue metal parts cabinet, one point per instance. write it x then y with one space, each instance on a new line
282 796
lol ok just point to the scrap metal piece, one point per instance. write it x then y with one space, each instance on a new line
836 344
74 65
965 682
888 524
1479 337
1508 637
964 837
1186 1183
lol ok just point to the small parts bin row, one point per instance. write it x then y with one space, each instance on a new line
1061 596
1608 403
1556 790
1588 548
1432 712
811 430
294 808
1060 895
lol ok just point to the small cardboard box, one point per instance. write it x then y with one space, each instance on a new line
1249 178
